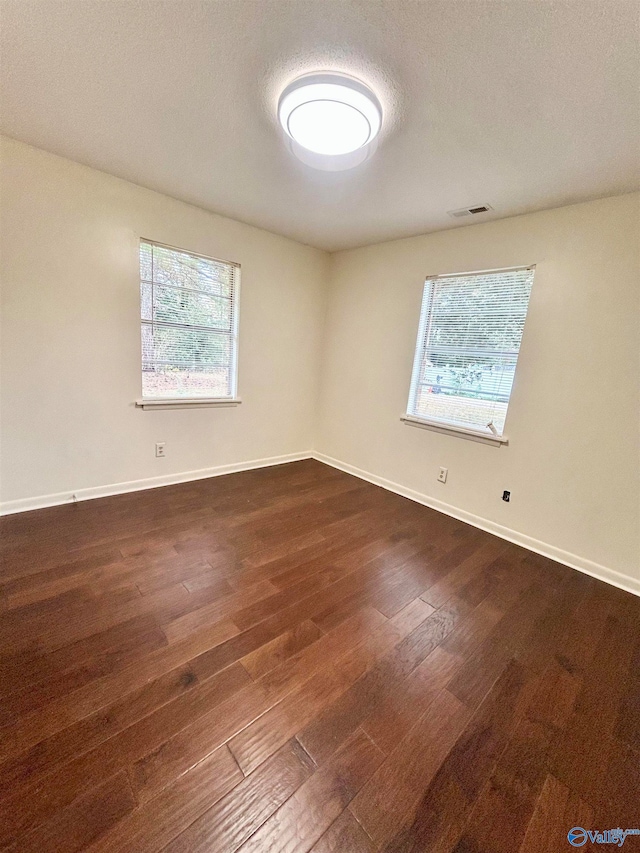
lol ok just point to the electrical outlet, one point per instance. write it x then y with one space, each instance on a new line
506 496
160 448
442 475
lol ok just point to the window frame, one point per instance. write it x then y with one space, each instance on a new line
198 402
442 426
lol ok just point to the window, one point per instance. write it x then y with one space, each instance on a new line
468 342
189 325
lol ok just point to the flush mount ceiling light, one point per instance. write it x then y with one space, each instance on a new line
330 114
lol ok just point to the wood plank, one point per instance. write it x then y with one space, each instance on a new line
23 733
502 811
178 626
387 800
344 834
489 659
300 822
436 816
229 823
84 821
287 615
264 736
156 769
557 811
60 682
255 743
595 715
159 762
152 826
66 782
288 644
97 728
374 687
344 639
628 724
453 581
616 803
398 711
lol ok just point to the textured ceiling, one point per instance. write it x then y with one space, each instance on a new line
521 104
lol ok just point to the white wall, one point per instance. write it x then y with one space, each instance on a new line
71 359
71 335
572 460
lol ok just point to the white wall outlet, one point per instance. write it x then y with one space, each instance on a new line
442 475
160 448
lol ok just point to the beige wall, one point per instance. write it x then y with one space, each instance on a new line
572 460
326 348
71 336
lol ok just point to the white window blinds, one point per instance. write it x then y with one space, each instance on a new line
189 324
468 342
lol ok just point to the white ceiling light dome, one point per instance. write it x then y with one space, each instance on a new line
330 114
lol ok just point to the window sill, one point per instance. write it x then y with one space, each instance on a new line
461 432
187 402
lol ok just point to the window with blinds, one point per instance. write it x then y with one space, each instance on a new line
189 324
468 342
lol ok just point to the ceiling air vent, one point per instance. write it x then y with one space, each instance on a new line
470 211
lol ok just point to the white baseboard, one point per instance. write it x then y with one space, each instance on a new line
602 573
26 504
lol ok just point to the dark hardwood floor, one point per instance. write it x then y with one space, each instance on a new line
291 659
